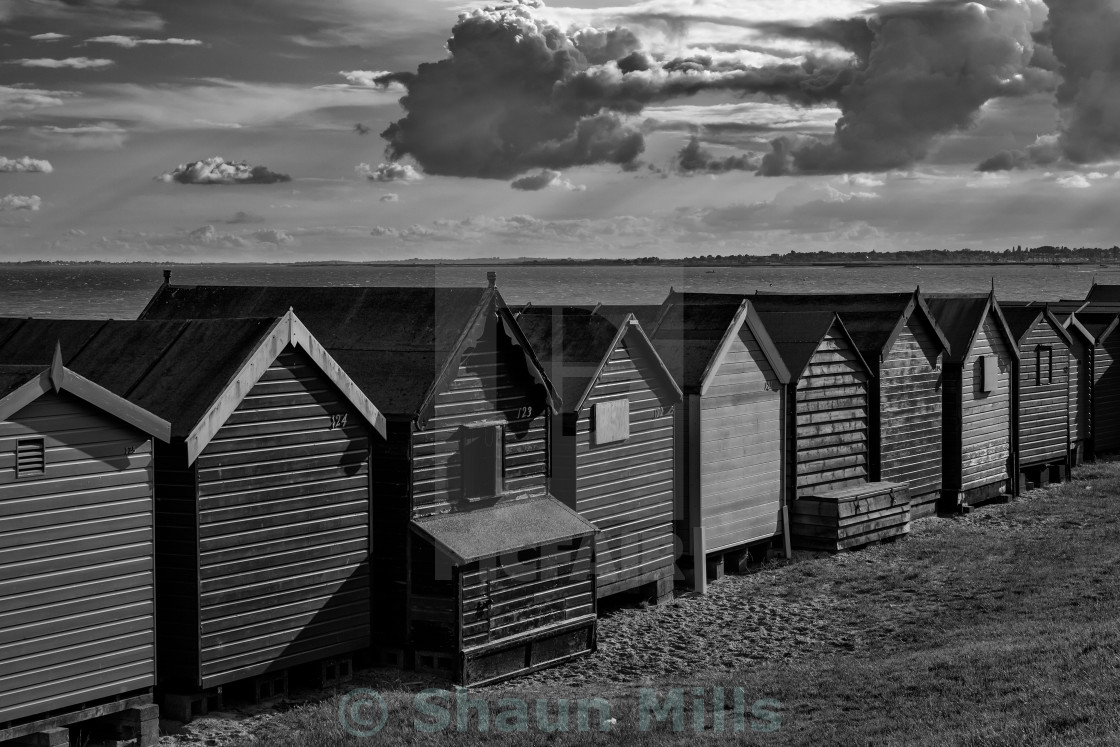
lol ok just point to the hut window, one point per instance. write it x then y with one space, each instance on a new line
483 455
31 457
990 373
610 421
1044 365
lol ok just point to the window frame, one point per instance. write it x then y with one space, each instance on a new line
477 430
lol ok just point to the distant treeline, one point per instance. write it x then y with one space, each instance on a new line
1039 254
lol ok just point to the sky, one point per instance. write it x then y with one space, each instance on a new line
294 130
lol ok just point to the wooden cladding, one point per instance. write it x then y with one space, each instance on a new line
31 458
610 421
483 459
77 613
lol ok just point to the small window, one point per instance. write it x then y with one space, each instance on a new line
610 421
483 461
990 373
31 457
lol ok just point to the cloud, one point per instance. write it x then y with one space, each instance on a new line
389 172
922 70
116 14
20 202
72 63
1046 150
131 42
371 80
25 99
25 165
543 180
50 36
100 136
216 170
694 158
1073 181
273 236
242 216
390 197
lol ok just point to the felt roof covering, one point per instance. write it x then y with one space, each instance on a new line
505 527
397 344
961 316
13 377
692 329
874 320
1102 292
574 346
1022 319
173 369
797 334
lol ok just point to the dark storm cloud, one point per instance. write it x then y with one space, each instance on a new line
923 71
694 158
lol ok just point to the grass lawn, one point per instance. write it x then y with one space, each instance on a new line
997 628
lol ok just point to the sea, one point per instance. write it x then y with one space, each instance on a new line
121 291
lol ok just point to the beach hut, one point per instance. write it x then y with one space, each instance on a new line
612 445
978 461
905 350
262 508
480 572
77 599
1105 398
1045 395
729 429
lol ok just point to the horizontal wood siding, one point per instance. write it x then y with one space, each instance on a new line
986 417
77 607
910 410
625 488
510 596
284 528
741 449
1106 396
1044 408
831 419
1080 385
492 384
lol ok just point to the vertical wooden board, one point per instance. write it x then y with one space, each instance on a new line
272 519
88 633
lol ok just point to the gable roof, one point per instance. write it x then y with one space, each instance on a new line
693 338
22 385
961 317
874 320
190 373
400 345
798 334
1099 325
1022 319
575 346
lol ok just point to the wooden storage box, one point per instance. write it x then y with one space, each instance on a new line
844 518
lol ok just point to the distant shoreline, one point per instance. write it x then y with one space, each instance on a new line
692 263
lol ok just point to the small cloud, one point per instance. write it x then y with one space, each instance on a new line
370 80
543 180
26 165
24 99
50 36
273 236
100 136
866 181
130 42
390 197
217 125
217 170
389 172
72 63
1073 181
20 202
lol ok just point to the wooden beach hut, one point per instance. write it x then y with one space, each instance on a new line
262 508
1101 326
905 349
612 444
481 573
978 455
729 429
77 594
1045 394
